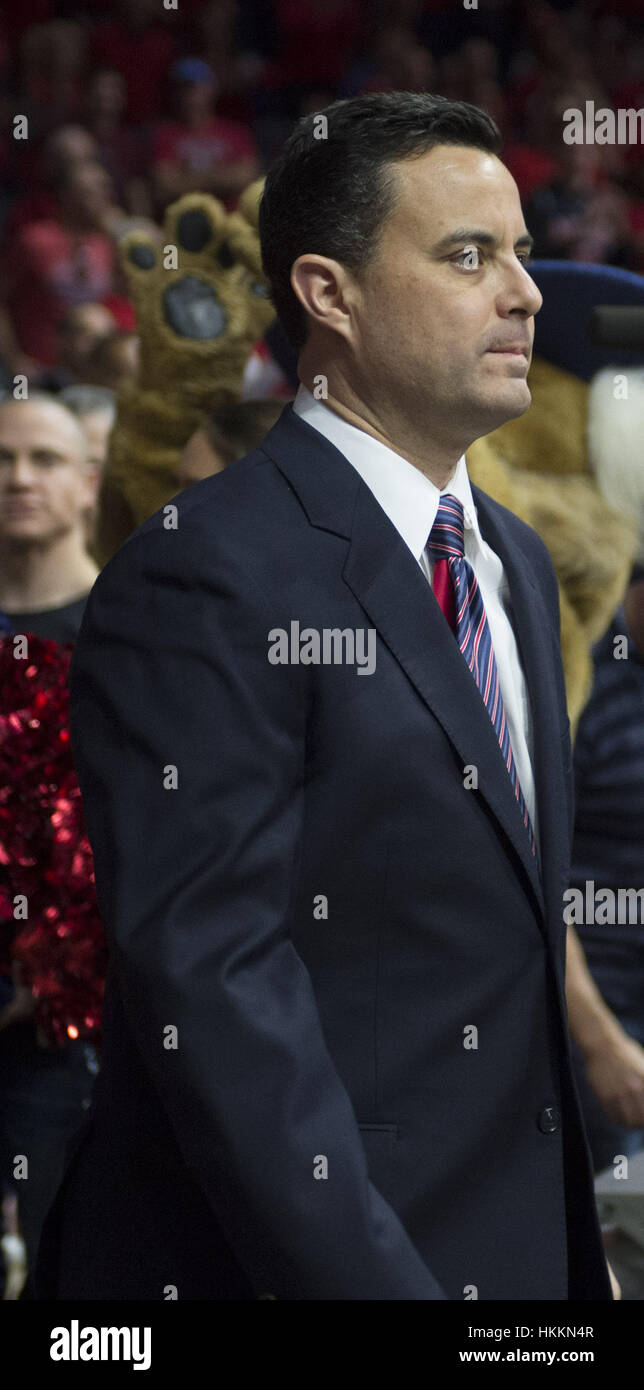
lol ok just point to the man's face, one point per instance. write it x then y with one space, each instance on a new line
45 484
88 193
445 289
71 145
108 95
195 100
80 331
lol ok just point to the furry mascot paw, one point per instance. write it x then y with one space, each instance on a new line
201 302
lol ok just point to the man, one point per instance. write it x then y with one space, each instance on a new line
230 433
46 487
201 151
64 146
80 330
331 872
95 407
55 263
113 361
136 44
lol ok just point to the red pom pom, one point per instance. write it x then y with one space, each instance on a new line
46 865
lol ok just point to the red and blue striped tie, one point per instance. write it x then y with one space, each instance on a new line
458 594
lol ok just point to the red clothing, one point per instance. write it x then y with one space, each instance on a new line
199 149
530 167
143 59
37 206
49 269
122 310
315 42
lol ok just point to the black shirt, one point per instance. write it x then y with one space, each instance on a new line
59 624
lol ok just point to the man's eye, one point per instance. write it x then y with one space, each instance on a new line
525 257
469 258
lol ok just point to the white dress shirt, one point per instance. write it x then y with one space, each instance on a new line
411 502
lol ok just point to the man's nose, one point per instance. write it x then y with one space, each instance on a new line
517 291
21 473
534 295
523 293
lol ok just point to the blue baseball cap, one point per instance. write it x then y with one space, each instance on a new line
191 70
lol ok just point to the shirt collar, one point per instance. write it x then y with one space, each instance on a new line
409 499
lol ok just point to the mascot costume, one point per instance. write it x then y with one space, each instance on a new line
201 303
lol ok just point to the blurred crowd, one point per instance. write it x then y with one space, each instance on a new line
110 112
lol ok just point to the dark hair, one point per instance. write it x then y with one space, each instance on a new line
236 428
332 196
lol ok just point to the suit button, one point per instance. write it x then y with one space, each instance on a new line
548 1119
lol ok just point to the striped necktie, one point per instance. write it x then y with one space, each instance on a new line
458 594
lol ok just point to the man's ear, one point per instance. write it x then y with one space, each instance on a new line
324 289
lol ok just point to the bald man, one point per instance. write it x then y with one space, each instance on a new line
47 485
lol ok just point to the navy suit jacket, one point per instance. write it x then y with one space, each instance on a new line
372 1100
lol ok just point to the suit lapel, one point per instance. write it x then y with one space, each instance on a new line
391 588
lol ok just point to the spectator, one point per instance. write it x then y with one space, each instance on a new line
56 263
316 41
579 215
95 407
231 432
141 49
46 487
393 59
80 330
52 61
118 145
199 151
114 361
40 174
236 73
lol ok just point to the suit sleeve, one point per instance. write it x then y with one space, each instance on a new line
189 748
